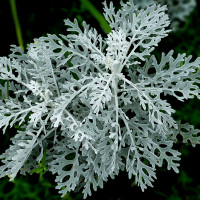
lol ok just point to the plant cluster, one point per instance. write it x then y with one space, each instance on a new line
94 106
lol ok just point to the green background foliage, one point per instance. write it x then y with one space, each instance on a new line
36 18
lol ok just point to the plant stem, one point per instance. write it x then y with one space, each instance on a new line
17 24
96 14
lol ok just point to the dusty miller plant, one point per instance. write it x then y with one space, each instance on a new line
178 10
96 105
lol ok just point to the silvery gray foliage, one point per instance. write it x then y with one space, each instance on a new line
178 10
94 104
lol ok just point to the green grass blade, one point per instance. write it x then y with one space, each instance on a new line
17 24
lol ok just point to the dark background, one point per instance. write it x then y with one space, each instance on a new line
37 18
